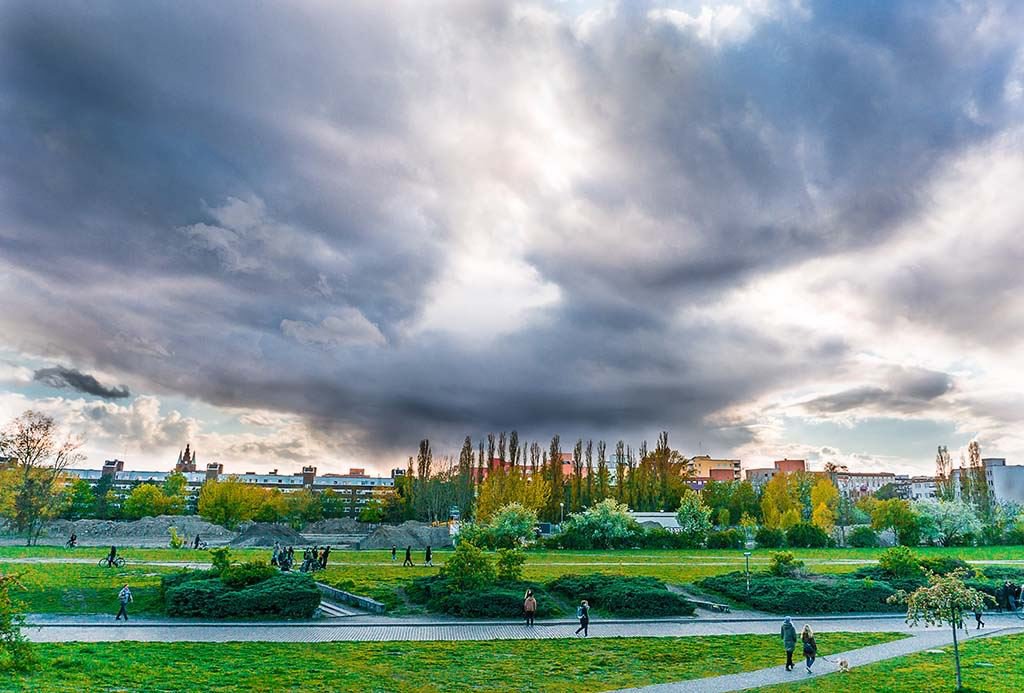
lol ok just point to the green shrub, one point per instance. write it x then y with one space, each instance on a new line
784 564
221 559
900 562
468 568
492 601
183 576
288 595
660 538
194 598
605 525
622 595
245 574
863 537
769 538
807 536
510 565
943 565
726 539
803 595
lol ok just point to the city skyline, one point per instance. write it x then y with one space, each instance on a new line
773 229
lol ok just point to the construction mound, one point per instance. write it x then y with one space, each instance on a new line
266 533
338 525
418 535
145 532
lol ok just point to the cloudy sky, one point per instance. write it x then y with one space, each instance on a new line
295 233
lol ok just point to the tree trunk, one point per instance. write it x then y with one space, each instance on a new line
956 651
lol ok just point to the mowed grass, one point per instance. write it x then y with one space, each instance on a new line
504 665
991 665
72 588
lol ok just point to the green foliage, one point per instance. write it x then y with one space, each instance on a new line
605 525
286 595
230 502
726 539
510 565
784 564
177 540
488 601
621 595
778 595
694 517
372 512
81 501
221 559
900 562
863 537
898 515
770 538
468 568
509 527
244 574
15 650
149 500
804 535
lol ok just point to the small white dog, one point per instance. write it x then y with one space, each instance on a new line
844 665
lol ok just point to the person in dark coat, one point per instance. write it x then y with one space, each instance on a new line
428 558
408 557
394 553
810 646
583 614
788 641
324 555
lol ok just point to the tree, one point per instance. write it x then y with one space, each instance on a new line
145 500
465 493
824 501
15 650
174 489
780 502
302 507
944 474
943 602
604 525
743 502
501 488
40 457
897 514
974 483
81 501
512 525
230 502
887 492
694 517
947 522
603 475
372 512
106 498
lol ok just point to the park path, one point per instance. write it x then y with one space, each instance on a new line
56 628
921 641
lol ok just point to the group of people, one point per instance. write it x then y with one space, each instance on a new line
808 645
314 558
582 613
428 556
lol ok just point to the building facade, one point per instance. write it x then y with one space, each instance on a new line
1005 482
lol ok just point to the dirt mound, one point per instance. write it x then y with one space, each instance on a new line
337 525
266 533
149 531
418 535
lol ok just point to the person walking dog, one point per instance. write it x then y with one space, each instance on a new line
788 641
583 614
125 597
529 607
810 646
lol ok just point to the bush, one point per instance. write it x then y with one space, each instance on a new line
803 595
768 538
863 537
726 539
784 564
622 595
900 562
510 565
194 598
468 568
183 576
605 525
807 536
942 565
177 540
221 559
511 527
660 538
493 601
288 595
245 574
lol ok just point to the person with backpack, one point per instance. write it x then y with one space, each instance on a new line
529 607
583 614
125 597
788 641
810 646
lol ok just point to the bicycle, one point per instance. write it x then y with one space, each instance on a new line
70 544
105 562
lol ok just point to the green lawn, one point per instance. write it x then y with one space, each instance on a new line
992 664
64 588
507 665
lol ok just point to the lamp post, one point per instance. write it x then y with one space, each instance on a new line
561 513
746 555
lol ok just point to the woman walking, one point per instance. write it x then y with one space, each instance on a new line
583 614
810 646
529 607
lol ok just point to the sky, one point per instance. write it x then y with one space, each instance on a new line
315 233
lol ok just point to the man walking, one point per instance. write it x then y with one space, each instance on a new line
394 553
125 597
428 559
408 557
788 641
323 557
583 614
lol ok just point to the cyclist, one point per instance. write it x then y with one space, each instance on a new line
73 541
112 556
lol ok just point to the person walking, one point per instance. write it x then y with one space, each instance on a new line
810 646
195 544
788 641
275 554
323 557
428 558
529 607
112 556
583 614
125 597
978 615
408 557
394 553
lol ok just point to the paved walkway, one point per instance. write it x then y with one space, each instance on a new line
924 640
366 628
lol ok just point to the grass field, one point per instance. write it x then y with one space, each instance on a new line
990 665
507 665
85 588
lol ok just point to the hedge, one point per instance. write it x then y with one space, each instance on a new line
768 538
726 539
622 595
863 537
822 595
287 595
491 601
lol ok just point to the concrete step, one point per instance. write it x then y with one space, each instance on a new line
334 610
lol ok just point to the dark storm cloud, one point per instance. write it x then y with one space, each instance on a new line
61 377
907 391
249 204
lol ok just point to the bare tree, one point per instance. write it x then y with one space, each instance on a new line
33 441
944 474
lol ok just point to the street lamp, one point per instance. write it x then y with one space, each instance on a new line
561 513
746 555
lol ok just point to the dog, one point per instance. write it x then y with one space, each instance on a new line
844 666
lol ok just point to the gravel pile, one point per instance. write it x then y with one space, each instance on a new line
266 533
338 525
418 535
149 531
